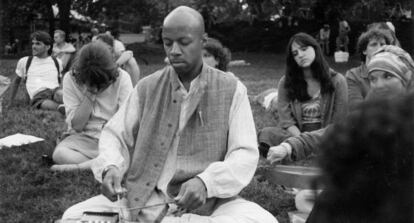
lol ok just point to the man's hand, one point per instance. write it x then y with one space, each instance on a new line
277 153
111 184
192 195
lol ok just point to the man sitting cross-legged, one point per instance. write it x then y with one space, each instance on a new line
185 135
41 74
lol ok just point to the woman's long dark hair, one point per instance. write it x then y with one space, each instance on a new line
295 83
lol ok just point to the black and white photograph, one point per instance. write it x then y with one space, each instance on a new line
206 111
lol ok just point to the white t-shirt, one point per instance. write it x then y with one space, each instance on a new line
42 74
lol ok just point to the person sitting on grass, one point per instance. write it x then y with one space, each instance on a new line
118 45
63 50
310 94
92 92
390 72
367 165
124 59
357 77
41 75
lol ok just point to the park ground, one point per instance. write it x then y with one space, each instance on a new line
30 192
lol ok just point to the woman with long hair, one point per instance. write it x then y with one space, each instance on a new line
310 94
92 92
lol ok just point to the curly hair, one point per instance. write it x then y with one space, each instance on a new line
365 37
367 164
219 52
295 83
94 65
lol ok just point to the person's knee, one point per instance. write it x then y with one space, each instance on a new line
58 96
241 210
72 213
259 214
48 104
58 154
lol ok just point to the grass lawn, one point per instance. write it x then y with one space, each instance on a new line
30 192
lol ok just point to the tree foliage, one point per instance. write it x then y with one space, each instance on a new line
130 15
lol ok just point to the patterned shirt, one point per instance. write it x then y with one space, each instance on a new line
311 110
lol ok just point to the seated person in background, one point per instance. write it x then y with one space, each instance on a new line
324 35
342 40
216 55
185 138
310 94
124 59
387 27
367 166
390 72
95 33
92 92
357 77
62 50
41 75
119 47
8 49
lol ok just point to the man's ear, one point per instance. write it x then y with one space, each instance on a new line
204 38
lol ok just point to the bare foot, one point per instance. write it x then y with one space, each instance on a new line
72 167
65 167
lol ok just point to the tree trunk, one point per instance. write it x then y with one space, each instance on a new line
64 12
51 17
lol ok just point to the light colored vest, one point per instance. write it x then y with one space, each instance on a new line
202 141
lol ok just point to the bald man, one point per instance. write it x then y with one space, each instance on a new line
183 145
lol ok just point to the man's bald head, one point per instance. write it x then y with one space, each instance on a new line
185 17
183 37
